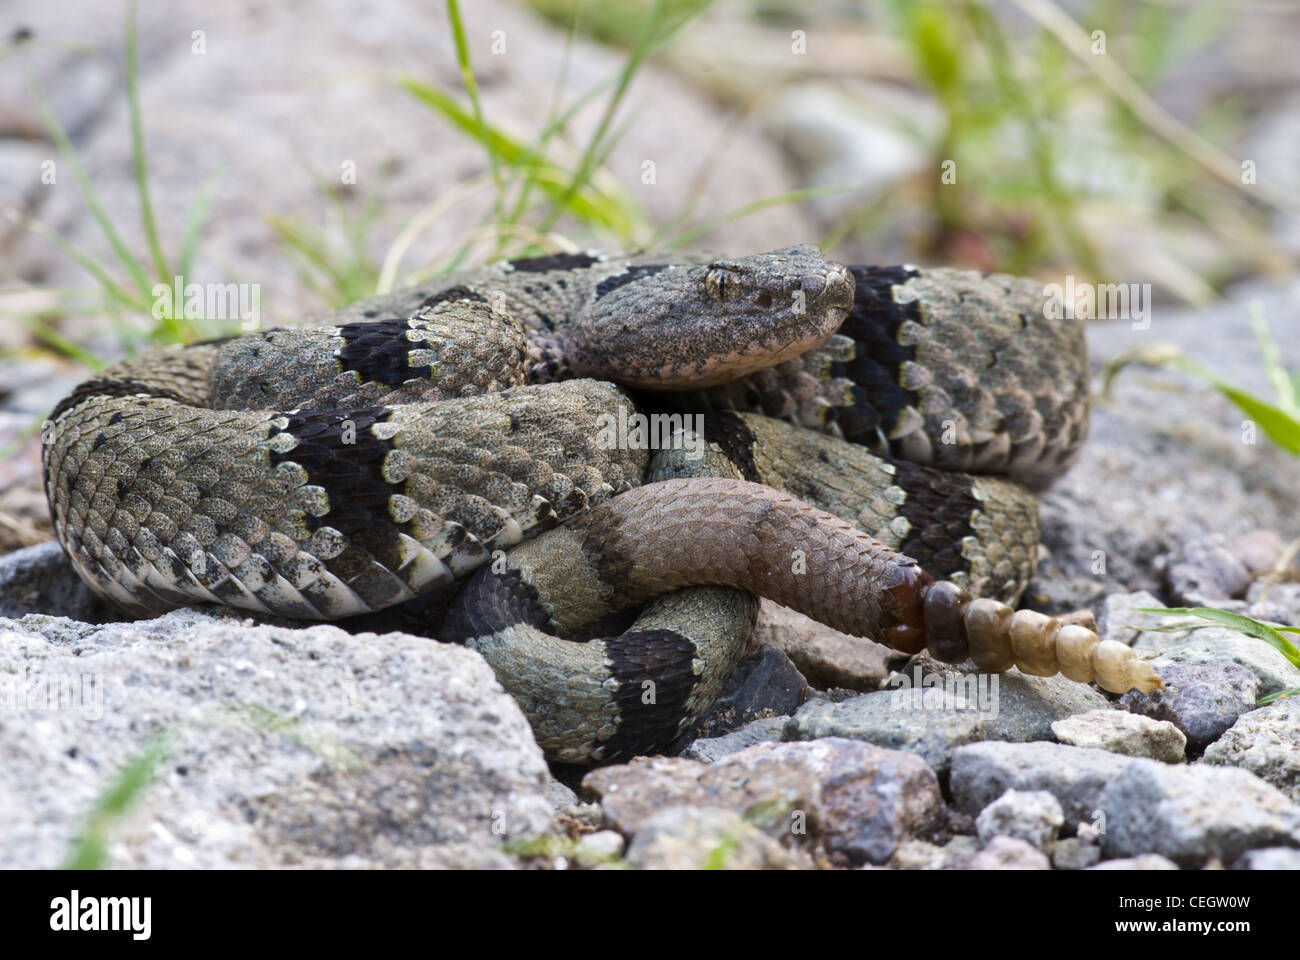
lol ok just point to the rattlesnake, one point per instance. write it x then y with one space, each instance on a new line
395 447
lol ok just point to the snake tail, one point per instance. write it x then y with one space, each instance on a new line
672 534
995 637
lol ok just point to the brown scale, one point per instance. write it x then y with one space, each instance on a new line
735 533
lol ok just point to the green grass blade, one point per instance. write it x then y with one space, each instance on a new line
39 328
90 851
86 262
471 89
139 157
1280 695
588 206
1280 426
1234 621
650 35
552 124
79 176
1283 384
312 251
1042 146
194 222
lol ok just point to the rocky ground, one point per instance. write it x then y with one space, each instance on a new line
316 747
270 744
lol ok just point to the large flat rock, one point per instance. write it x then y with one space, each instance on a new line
270 746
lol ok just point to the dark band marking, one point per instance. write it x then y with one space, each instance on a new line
735 439
628 276
556 261
491 602
605 545
873 323
113 388
663 658
939 506
352 476
378 350
458 292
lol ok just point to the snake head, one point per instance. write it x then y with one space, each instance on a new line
690 325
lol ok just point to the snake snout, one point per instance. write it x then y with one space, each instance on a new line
831 289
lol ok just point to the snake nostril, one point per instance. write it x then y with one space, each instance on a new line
763 301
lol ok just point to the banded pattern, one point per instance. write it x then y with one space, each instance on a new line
950 368
400 445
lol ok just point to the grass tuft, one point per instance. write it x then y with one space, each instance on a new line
90 849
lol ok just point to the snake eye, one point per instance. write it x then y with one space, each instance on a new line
723 282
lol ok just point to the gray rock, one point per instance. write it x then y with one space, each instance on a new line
712 749
1274 602
1209 571
268 746
1072 853
1148 861
918 855
764 684
1259 552
1185 473
957 854
827 657
1267 743
962 705
1121 732
931 734
39 579
579 818
1192 814
601 847
1123 619
694 838
848 797
1033 816
982 772
1024 707
1201 699
1010 853
1270 858
1196 641
560 795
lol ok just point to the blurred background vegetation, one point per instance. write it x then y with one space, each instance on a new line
1014 136
1155 141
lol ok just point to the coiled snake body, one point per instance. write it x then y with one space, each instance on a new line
404 443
